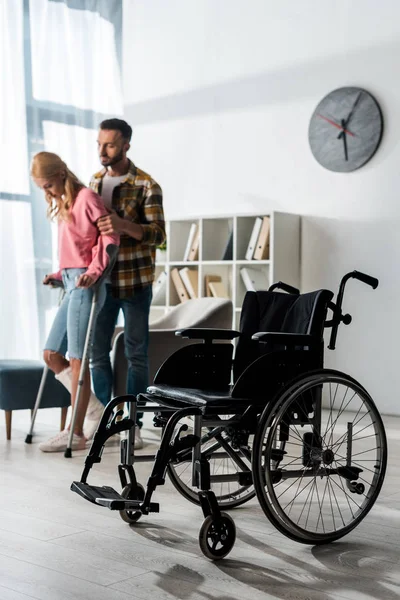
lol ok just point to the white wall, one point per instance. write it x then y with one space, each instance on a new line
220 93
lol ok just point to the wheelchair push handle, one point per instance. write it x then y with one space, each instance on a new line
372 281
338 316
285 287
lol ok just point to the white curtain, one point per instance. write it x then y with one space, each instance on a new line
13 134
18 306
19 334
54 101
74 59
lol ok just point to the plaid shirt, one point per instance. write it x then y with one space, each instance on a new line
138 199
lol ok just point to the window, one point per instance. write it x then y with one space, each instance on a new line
60 75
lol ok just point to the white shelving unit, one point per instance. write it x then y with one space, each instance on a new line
283 263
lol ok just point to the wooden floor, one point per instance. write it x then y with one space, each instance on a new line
56 546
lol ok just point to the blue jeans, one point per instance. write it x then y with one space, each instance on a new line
68 332
136 336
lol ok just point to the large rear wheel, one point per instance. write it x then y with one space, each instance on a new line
319 457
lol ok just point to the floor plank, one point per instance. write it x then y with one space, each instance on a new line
56 546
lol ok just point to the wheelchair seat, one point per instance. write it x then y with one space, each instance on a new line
210 401
185 396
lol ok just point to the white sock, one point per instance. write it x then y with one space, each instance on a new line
94 407
65 377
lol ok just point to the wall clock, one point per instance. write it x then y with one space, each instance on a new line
345 129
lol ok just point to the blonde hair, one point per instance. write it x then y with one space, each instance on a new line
46 165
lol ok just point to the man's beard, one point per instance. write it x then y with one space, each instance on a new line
113 161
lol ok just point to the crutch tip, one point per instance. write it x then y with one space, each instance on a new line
28 439
68 453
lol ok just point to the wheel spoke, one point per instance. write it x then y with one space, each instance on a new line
306 500
224 463
337 503
320 516
312 495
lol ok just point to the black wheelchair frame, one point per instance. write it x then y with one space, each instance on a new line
296 441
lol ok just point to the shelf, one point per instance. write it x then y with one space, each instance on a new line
253 262
231 236
217 262
184 263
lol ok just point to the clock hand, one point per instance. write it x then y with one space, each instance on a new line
346 156
346 121
336 125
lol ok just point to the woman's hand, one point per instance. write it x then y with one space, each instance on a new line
84 281
49 279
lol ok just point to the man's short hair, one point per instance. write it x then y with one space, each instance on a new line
118 125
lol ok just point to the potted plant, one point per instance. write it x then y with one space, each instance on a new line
161 252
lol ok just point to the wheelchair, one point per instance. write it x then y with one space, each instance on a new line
272 422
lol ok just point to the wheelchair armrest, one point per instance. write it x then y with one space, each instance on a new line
286 339
208 334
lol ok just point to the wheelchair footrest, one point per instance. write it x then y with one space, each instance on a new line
94 492
124 504
110 498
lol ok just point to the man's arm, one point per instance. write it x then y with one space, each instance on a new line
152 229
114 224
153 225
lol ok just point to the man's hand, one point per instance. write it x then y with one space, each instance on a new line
84 281
112 223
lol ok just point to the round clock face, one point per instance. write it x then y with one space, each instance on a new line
345 129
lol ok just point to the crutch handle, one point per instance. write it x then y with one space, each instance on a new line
55 283
112 251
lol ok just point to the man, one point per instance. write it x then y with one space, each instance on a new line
135 200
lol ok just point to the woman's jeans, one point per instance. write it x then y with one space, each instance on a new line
68 332
136 336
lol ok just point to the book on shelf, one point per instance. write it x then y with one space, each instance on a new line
218 289
194 249
207 280
191 281
228 252
261 251
253 238
255 279
159 287
179 285
189 244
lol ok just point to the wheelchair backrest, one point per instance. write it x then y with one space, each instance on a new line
276 311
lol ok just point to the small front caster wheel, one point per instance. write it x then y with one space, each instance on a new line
217 536
360 488
132 516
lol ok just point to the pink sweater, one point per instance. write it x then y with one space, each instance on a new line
79 243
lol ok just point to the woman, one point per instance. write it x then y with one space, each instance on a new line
82 260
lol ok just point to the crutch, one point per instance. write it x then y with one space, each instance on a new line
54 283
112 251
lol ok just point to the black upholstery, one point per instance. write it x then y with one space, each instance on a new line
274 311
194 395
266 312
